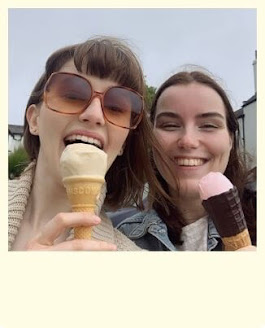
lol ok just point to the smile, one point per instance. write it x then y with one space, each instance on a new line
189 161
76 138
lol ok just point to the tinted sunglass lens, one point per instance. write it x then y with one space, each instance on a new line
122 107
68 93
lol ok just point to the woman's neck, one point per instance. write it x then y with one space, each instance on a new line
47 198
190 207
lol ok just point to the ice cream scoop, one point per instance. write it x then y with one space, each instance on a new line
214 183
83 168
221 200
83 159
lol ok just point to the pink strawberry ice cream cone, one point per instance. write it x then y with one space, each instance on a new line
221 200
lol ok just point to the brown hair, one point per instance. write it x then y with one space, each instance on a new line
236 170
107 57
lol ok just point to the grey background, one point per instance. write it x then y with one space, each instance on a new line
221 40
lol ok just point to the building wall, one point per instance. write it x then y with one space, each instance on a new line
250 112
241 135
14 143
248 130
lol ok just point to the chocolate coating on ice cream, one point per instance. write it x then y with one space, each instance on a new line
226 212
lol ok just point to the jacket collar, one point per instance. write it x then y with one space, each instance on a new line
150 222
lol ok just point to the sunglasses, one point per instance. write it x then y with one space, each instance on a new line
69 93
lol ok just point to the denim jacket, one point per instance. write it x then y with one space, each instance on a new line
148 231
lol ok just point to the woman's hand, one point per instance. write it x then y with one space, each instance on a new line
46 239
248 248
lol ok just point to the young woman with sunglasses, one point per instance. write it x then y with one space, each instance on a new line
93 93
195 124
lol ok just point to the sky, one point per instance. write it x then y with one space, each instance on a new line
222 41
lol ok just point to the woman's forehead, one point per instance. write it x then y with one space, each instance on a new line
193 98
188 93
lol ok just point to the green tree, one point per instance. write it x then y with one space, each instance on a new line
149 96
17 161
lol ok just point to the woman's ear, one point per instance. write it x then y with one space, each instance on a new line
32 115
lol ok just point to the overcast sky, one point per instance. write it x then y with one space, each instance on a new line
221 40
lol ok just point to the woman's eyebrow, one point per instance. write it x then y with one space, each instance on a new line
167 114
211 114
203 115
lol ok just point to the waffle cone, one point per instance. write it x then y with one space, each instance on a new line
82 192
240 240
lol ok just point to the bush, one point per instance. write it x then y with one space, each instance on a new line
17 161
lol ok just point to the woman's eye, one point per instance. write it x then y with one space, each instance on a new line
72 96
169 126
116 109
208 126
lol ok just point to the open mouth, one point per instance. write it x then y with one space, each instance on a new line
82 139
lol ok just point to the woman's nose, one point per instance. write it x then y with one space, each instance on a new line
188 139
93 113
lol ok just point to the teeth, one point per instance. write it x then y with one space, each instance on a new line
189 161
86 139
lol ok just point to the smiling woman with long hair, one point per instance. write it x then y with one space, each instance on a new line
194 123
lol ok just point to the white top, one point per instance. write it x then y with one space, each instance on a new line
195 236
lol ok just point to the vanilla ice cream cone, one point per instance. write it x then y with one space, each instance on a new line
83 169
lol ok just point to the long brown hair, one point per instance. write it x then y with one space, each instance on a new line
108 57
236 170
